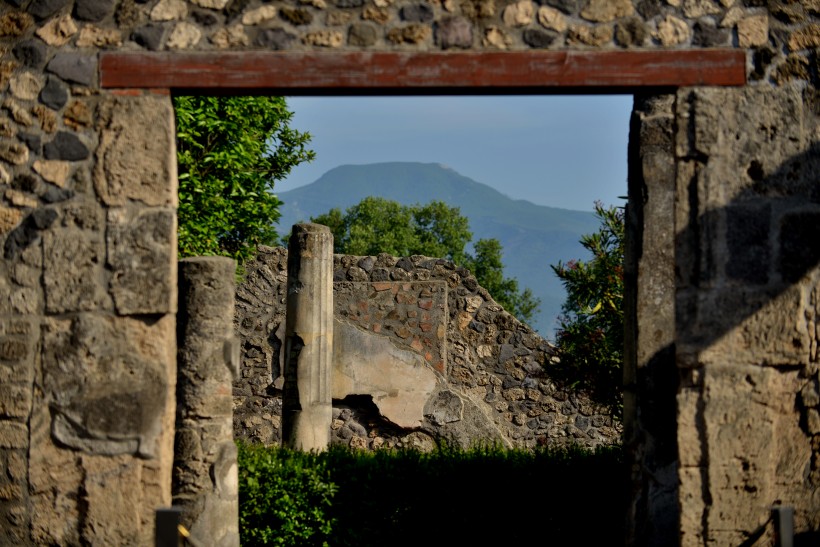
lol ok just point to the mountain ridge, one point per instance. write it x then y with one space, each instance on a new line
532 236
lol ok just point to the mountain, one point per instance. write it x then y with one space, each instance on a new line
532 236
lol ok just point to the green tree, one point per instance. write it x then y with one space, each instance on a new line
377 225
590 337
230 151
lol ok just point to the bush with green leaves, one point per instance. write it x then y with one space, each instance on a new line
590 338
285 497
487 495
230 152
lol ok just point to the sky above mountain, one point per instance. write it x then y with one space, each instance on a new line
559 151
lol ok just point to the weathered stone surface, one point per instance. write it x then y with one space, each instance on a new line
13 152
9 219
552 18
65 146
417 13
73 276
46 117
398 380
15 23
74 67
54 171
519 14
570 7
309 339
324 38
673 31
78 115
539 38
259 15
141 256
211 4
169 10
707 34
296 16
591 36
446 407
41 9
276 38
495 37
106 381
92 36
135 156
25 85
411 34
362 35
230 37
18 112
93 10
32 53
695 9
753 31
805 38
58 31
54 94
209 499
631 32
184 36
604 11
19 199
15 401
150 37
454 32
13 435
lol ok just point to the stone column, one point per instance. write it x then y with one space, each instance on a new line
650 373
205 477
306 399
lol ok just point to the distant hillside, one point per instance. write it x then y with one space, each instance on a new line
533 236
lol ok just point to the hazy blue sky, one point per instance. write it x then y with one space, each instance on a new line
557 151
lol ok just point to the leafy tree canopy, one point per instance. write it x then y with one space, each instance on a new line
590 337
377 225
230 151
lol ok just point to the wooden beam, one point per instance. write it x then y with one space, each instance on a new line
424 72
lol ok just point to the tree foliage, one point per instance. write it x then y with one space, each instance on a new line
230 151
377 225
590 337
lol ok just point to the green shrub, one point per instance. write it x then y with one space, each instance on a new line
484 496
284 497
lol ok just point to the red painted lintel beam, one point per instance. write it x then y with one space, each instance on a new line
424 72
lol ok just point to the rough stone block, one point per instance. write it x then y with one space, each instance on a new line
13 435
73 276
765 327
15 400
113 494
752 132
142 255
107 382
136 155
74 67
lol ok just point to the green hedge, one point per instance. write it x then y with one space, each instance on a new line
483 496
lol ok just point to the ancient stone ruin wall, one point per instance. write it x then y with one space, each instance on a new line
723 386
422 354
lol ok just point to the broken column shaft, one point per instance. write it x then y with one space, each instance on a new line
306 398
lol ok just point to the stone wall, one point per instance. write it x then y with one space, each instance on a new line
422 354
88 280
